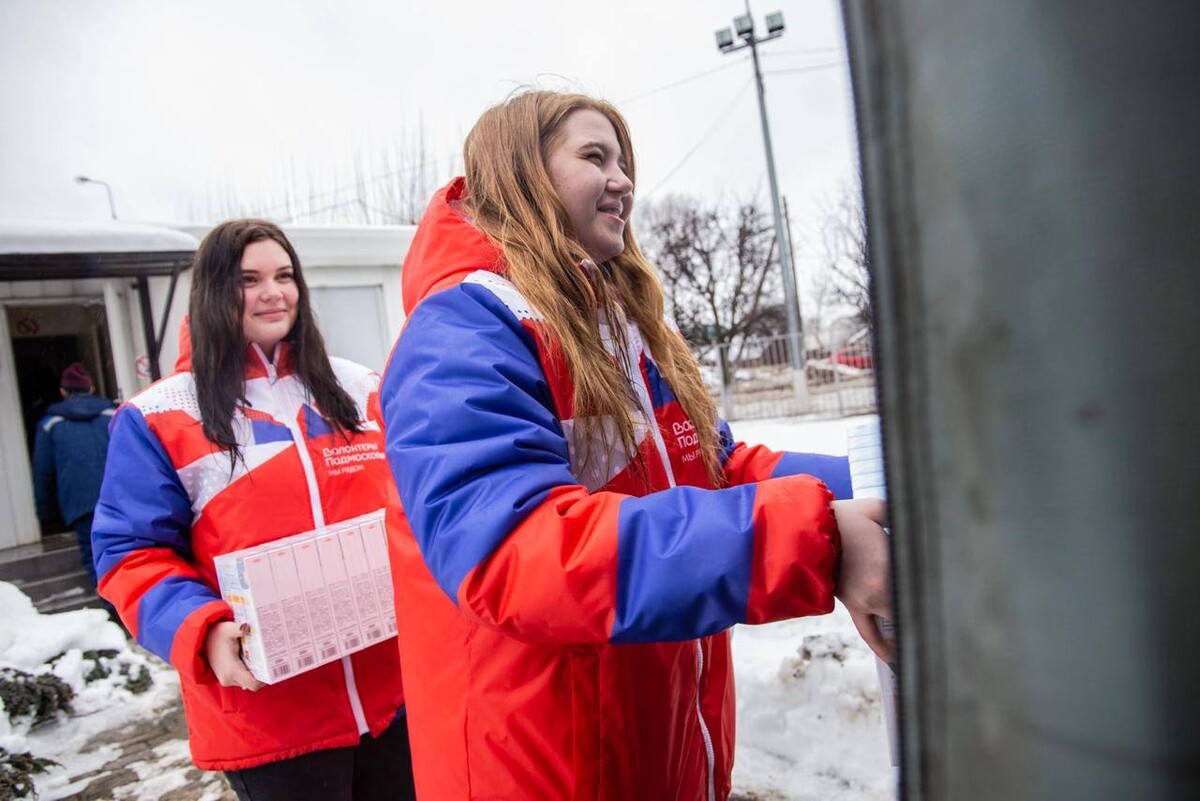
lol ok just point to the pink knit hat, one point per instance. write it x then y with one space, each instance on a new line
76 378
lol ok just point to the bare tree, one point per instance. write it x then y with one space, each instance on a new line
718 267
389 184
843 285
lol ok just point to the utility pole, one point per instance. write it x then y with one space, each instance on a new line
112 205
787 225
744 27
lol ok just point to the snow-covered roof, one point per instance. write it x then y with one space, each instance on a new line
46 251
45 238
339 245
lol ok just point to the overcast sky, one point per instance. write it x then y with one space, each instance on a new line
171 101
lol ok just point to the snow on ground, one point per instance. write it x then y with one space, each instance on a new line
809 718
154 782
29 640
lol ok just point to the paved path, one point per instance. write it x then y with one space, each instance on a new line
153 764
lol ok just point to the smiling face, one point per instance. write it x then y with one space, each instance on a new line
269 294
587 169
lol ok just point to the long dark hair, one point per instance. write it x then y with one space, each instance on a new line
219 342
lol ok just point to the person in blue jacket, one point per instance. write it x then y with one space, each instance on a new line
68 458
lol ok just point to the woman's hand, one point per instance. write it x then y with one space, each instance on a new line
864 584
223 649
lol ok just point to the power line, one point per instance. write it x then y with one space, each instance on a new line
648 93
679 82
266 212
314 212
722 116
349 186
354 201
804 51
810 68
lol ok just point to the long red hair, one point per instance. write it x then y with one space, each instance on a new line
512 200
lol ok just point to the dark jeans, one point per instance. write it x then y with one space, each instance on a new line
83 534
377 769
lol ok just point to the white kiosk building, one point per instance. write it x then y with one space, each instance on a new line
112 295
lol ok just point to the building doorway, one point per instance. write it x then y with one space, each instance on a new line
46 337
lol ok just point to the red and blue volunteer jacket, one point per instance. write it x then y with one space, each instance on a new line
171 501
565 631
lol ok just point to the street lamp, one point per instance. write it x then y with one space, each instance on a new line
112 205
743 26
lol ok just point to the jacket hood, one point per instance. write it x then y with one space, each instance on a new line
183 362
255 361
80 407
445 248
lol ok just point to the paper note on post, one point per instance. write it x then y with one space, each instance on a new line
864 445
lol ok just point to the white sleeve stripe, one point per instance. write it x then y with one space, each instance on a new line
506 293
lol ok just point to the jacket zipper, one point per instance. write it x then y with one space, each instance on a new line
708 745
634 361
310 476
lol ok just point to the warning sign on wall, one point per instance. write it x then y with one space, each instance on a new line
26 327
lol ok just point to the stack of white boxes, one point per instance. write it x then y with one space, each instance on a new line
867 479
311 598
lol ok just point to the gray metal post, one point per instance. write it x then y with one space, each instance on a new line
152 346
1032 182
723 374
837 373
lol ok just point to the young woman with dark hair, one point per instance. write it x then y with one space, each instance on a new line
583 528
229 452
217 314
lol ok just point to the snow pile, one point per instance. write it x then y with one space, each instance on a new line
29 640
110 683
809 719
810 723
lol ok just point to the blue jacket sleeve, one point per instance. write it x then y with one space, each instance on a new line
483 469
744 464
141 539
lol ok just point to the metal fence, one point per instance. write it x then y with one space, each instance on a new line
754 378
